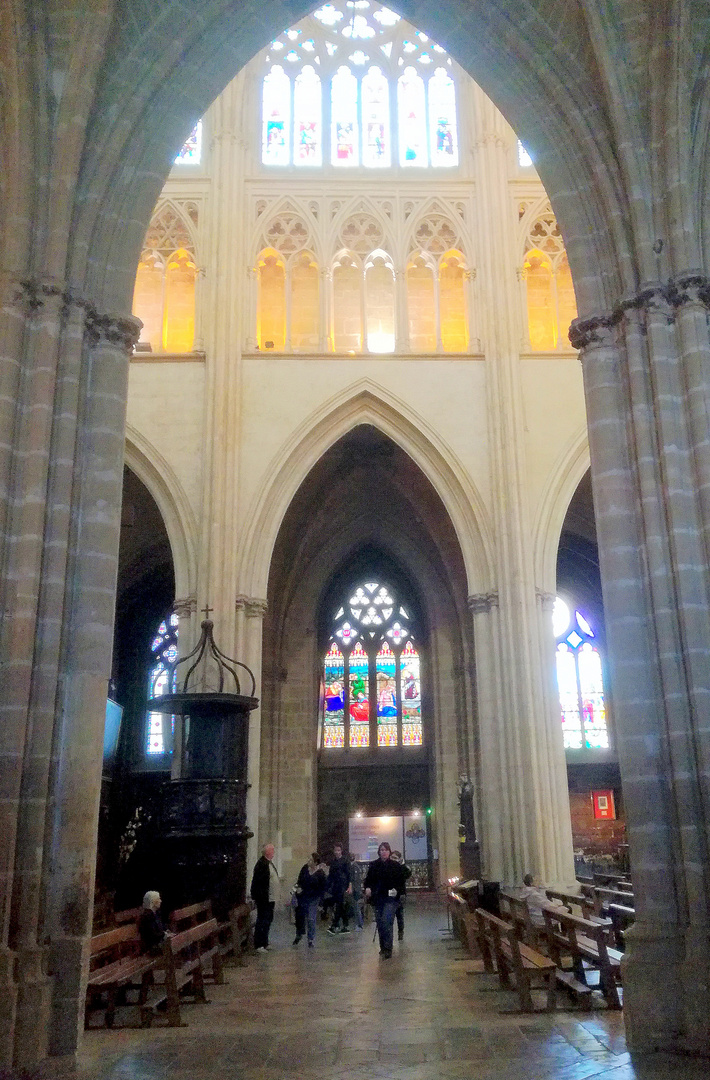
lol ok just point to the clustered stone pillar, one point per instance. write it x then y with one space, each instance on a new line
63 493
524 804
645 369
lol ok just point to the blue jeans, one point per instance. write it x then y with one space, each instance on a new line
384 917
307 917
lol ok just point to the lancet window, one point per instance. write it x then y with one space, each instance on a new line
162 680
164 293
580 681
371 679
551 303
353 84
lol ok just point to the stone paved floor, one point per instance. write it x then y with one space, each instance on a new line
339 1012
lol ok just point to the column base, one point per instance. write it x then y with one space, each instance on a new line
666 979
8 1007
34 1007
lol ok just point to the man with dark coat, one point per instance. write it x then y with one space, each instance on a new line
384 885
339 886
264 893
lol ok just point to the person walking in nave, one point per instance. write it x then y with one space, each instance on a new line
310 887
384 885
264 892
340 887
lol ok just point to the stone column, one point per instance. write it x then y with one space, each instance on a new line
521 752
645 370
85 666
60 559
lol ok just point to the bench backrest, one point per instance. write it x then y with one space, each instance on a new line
130 915
186 939
113 945
492 920
573 923
192 915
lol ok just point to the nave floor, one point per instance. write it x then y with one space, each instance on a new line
338 1012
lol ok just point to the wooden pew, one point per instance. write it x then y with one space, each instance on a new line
130 915
457 910
584 941
531 934
241 937
186 958
115 965
621 919
512 957
195 914
603 897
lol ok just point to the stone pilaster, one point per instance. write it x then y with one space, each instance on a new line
254 611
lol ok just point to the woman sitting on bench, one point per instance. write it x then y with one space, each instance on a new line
150 925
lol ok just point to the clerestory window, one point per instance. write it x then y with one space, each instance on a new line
353 85
371 680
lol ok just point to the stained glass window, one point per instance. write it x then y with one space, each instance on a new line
386 668
191 152
276 105
307 112
162 680
411 111
411 696
580 682
334 48
371 674
443 136
376 149
359 696
334 704
345 138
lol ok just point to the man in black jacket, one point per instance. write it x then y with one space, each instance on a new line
384 885
339 886
264 891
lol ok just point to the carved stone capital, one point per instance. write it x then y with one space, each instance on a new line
185 607
241 602
599 330
546 600
31 294
482 602
256 608
116 330
654 298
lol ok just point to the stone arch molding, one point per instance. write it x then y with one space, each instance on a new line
366 403
562 483
156 473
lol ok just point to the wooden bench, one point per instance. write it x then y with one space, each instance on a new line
186 958
130 915
621 919
585 942
235 933
458 908
498 941
241 936
115 965
534 936
603 897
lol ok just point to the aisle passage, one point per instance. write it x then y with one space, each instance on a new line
339 1011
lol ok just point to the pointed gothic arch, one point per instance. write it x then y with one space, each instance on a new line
157 474
365 403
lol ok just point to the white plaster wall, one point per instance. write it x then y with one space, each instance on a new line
166 405
555 417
